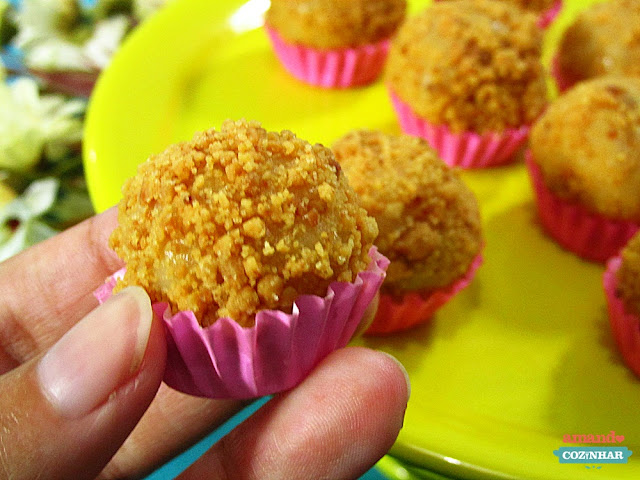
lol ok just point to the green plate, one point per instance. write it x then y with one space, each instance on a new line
515 362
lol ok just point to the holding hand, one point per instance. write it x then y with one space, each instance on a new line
82 395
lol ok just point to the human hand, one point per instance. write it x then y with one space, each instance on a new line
82 394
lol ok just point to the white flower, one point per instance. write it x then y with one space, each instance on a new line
52 38
39 19
145 8
27 234
32 125
106 39
36 200
56 53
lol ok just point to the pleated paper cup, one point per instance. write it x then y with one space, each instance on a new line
589 235
226 360
625 326
563 81
466 150
547 17
414 308
334 68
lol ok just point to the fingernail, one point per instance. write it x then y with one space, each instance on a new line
403 370
99 354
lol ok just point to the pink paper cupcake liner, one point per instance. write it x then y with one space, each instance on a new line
625 326
467 149
226 360
563 82
339 68
589 235
395 315
548 16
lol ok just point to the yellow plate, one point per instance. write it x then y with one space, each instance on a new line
505 370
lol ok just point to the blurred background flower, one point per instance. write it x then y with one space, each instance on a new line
52 53
35 127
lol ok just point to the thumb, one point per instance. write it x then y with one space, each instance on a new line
65 414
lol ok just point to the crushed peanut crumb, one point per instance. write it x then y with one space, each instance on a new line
587 145
603 39
428 218
327 24
537 6
199 222
471 65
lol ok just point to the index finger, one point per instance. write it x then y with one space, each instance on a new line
47 288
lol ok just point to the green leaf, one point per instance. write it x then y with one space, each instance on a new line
8 28
72 206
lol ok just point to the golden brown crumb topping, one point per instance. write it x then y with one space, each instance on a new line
588 146
239 220
604 39
534 5
335 23
628 286
537 6
428 218
470 64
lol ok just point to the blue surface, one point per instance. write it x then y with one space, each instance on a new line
181 462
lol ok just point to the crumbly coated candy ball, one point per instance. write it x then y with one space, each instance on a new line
428 218
240 220
471 65
587 145
604 39
532 5
335 23
629 275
